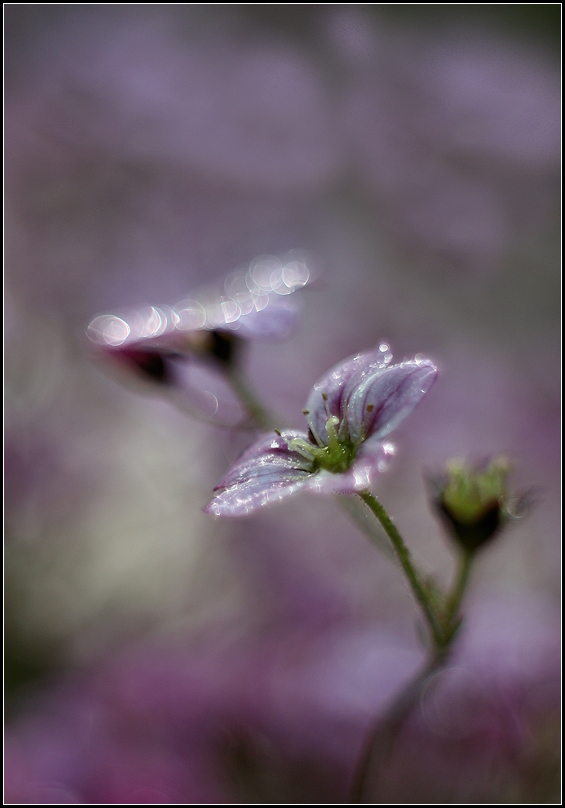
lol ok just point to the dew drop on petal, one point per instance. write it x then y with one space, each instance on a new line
230 310
294 275
155 323
191 315
245 302
108 329
363 477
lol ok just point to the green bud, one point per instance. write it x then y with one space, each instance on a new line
473 500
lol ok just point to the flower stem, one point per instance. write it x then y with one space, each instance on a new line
403 555
454 598
241 387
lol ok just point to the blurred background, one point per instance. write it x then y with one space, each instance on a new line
152 654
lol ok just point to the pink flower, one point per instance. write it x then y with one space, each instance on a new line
349 412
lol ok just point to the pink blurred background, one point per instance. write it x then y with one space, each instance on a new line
152 654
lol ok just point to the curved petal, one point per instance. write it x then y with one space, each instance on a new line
267 472
270 454
335 384
382 399
243 498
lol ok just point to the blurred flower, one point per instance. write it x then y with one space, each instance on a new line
474 500
253 303
349 411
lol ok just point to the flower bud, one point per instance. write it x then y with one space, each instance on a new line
473 501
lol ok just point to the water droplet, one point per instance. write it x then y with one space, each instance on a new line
108 329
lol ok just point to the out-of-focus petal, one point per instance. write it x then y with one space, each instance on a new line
275 321
391 392
256 302
335 384
152 326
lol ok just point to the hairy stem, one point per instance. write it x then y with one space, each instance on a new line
403 556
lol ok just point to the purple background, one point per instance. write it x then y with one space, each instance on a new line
152 653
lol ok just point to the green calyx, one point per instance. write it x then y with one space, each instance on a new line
469 493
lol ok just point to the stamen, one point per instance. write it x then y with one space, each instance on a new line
363 433
278 432
325 397
314 437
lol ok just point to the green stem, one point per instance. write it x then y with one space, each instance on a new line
453 600
403 555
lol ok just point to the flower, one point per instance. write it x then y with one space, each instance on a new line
190 347
473 500
349 412
256 302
